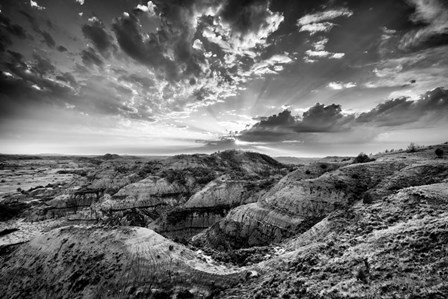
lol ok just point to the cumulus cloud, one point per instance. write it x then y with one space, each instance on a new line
430 108
340 85
35 5
320 52
285 126
148 50
149 8
432 13
273 128
272 65
67 78
317 27
324 16
318 22
324 54
202 51
95 31
251 22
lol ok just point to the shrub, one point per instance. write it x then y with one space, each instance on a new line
362 158
367 198
439 153
307 171
412 148
323 166
361 275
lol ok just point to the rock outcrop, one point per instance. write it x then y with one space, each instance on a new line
209 205
295 204
393 248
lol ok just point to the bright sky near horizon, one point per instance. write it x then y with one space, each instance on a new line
286 78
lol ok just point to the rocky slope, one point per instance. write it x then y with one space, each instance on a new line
297 202
133 191
260 229
393 248
101 262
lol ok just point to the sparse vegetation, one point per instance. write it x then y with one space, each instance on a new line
367 198
362 158
439 153
412 148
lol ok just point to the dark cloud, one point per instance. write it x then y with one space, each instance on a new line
80 69
282 119
284 126
33 22
246 16
321 118
432 16
403 111
90 58
273 128
8 29
68 78
390 113
17 57
43 66
26 89
43 86
48 39
431 107
146 51
50 24
62 49
96 33
5 42
14 29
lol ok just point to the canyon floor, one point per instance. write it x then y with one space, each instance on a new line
231 224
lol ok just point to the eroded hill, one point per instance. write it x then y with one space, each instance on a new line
229 225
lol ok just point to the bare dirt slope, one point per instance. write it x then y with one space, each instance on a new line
103 262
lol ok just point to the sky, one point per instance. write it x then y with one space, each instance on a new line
285 78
